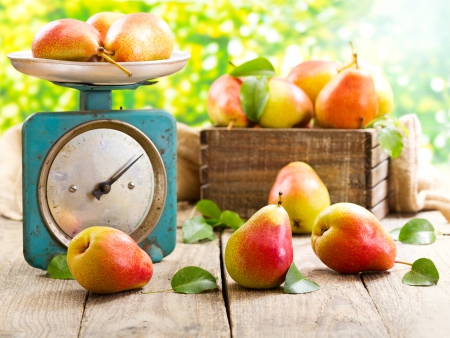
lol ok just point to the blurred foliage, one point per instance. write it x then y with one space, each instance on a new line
406 41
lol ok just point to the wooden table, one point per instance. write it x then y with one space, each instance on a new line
365 305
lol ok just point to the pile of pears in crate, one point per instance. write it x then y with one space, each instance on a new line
105 36
317 93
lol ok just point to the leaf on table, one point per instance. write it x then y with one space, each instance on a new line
213 222
258 66
231 219
297 283
193 279
417 231
58 268
394 233
208 208
196 229
423 273
391 141
254 94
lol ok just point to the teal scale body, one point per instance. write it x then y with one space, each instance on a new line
40 132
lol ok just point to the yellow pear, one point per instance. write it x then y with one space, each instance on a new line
103 20
288 106
304 195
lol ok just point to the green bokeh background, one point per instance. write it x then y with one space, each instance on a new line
409 40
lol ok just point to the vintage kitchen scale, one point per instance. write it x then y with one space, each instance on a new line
98 166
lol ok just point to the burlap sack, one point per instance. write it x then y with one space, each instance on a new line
11 173
11 169
416 185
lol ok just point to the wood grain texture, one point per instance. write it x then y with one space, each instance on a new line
377 174
381 209
414 311
341 308
32 305
133 314
239 167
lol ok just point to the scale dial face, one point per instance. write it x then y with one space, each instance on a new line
72 193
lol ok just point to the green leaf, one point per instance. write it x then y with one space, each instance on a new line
254 94
423 273
258 66
417 231
391 141
58 268
231 219
297 283
192 279
213 221
208 208
394 233
196 229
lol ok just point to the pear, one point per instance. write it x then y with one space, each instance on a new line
384 92
304 195
259 254
70 40
348 101
223 104
106 260
349 239
383 88
103 20
312 75
66 39
288 106
139 37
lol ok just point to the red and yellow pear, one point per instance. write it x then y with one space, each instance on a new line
70 40
103 20
139 37
67 39
312 75
106 260
223 104
348 101
304 195
259 254
349 239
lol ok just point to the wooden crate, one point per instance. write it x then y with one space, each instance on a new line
239 167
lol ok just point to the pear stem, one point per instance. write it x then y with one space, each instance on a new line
230 125
103 53
354 59
401 262
279 199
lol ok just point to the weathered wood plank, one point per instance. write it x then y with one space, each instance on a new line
377 174
377 155
133 314
32 305
381 209
409 311
238 167
341 308
377 193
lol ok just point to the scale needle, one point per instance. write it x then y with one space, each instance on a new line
105 187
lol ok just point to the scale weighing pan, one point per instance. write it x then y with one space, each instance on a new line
98 73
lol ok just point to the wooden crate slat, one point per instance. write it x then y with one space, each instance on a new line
381 209
377 174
